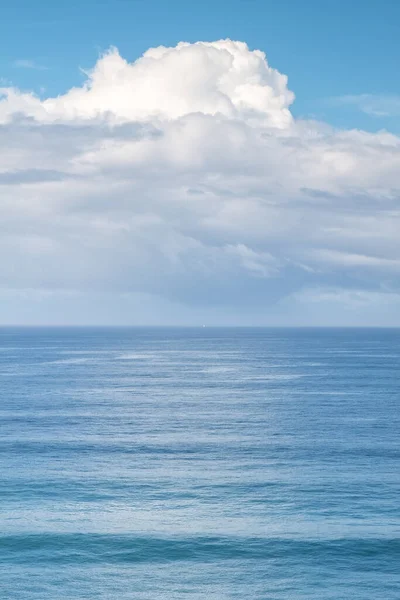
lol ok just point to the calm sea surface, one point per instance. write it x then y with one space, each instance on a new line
199 463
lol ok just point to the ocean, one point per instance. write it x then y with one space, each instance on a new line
194 463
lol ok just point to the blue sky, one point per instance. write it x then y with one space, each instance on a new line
327 48
200 163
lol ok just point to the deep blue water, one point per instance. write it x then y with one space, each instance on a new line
199 463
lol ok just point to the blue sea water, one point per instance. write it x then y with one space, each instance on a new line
161 463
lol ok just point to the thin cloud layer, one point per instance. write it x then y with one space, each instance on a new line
374 105
184 176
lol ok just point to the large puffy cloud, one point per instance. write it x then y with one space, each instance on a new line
184 175
222 78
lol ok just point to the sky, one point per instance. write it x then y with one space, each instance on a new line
218 163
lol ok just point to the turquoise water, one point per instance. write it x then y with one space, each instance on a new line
199 463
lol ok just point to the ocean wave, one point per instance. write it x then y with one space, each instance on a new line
94 548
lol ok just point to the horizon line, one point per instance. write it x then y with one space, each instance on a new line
188 326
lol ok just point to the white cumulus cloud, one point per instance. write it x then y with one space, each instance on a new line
184 176
219 78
